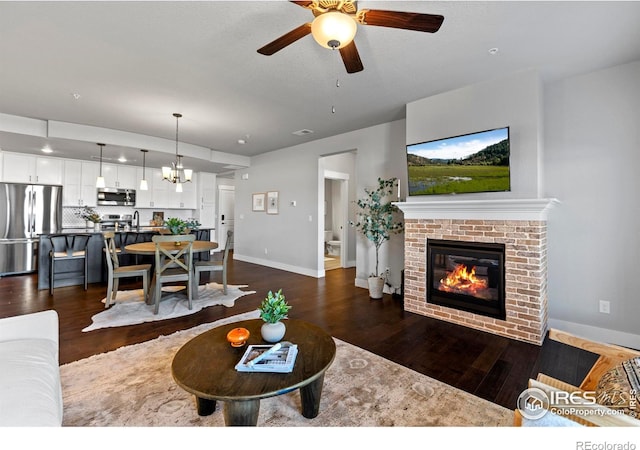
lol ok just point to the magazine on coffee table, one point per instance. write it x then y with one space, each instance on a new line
279 357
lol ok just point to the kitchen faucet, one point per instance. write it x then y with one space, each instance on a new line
136 218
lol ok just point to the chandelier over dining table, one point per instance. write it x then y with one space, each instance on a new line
176 173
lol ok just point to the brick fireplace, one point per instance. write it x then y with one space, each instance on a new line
520 225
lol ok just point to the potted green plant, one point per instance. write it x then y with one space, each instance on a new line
376 221
193 224
273 309
90 216
175 225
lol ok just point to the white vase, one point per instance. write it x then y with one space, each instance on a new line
273 332
376 287
97 226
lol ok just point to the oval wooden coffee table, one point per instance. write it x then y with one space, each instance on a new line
204 366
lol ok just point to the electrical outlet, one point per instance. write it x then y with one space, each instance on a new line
266 251
387 271
605 307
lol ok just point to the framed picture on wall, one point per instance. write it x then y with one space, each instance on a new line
272 202
258 202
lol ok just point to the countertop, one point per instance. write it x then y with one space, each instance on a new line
132 230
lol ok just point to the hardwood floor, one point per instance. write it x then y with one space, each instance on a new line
489 366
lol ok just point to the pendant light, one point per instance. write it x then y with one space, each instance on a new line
143 183
176 173
100 180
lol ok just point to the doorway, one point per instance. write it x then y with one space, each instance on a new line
336 194
226 207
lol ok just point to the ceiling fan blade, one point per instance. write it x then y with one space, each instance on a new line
304 4
429 23
286 39
351 58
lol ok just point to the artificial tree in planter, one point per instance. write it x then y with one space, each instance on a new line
377 222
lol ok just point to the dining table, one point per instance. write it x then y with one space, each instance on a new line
149 248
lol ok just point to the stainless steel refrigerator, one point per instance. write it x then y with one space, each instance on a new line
26 211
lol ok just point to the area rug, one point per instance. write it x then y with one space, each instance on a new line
133 387
130 308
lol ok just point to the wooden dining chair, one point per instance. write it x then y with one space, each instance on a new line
214 266
116 271
173 263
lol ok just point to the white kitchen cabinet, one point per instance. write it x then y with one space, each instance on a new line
22 168
206 197
188 198
117 176
161 190
144 199
79 183
72 183
162 194
158 195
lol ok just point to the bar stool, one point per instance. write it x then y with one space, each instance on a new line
68 247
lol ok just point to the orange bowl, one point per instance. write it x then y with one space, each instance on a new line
238 337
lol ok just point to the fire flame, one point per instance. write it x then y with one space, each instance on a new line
464 281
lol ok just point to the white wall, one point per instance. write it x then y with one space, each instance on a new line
292 237
513 101
592 158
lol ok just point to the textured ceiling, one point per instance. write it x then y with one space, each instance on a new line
134 64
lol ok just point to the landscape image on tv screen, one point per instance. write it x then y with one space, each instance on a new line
476 162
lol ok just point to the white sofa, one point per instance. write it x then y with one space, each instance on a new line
30 390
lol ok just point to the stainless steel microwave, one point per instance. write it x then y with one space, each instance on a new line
116 197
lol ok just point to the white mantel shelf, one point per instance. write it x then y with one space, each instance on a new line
498 209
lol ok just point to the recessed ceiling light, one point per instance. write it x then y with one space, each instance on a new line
46 150
493 51
302 132
75 95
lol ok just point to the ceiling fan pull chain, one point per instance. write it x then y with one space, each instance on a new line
333 107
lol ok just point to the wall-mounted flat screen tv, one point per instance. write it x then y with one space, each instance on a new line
475 162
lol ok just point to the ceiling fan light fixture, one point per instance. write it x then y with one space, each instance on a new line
333 29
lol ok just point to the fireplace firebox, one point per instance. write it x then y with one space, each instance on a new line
469 276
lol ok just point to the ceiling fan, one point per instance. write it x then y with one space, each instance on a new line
335 25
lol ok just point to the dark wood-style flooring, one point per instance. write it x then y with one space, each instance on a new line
489 366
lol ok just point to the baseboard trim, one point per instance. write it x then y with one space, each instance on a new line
277 265
598 334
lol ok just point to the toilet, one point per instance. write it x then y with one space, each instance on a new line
333 246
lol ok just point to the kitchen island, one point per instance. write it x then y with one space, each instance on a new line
97 265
